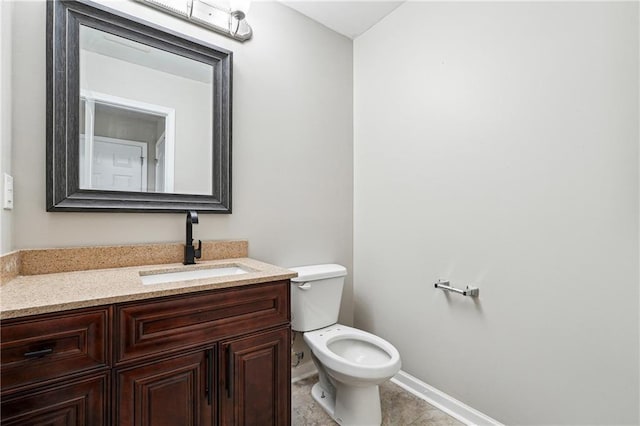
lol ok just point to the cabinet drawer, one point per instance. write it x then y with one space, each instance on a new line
73 403
168 324
49 346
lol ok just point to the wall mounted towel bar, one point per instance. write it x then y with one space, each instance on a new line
469 291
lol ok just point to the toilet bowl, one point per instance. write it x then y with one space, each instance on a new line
353 356
351 363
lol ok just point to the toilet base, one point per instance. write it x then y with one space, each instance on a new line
326 401
350 406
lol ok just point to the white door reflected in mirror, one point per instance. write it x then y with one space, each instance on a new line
118 165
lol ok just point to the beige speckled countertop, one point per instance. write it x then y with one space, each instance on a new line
38 294
39 281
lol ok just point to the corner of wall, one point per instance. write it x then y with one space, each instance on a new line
638 173
6 224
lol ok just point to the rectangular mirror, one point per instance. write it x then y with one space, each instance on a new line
138 117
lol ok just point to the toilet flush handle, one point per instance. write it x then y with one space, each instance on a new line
304 286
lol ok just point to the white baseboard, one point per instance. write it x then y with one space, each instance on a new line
304 370
435 397
442 401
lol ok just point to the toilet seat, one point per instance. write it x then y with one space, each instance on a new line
366 356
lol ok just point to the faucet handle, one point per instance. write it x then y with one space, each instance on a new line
198 251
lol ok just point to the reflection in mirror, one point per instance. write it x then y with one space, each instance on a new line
125 150
145 117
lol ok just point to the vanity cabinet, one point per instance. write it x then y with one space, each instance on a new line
215 357
212 357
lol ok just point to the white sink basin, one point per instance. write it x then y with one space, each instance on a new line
150 278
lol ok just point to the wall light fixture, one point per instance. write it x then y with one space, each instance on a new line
224 17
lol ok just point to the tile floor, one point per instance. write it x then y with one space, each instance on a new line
399 408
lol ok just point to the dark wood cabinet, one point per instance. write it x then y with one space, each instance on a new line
256 380
173 391
212 357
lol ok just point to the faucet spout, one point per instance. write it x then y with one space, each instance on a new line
192 217
190 252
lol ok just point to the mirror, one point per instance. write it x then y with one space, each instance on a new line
138 117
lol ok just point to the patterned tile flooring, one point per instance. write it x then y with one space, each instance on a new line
399 408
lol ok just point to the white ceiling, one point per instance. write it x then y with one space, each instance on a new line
121 48
350 18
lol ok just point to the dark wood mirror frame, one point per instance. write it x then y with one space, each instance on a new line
64 18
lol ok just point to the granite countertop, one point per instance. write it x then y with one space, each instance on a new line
38 294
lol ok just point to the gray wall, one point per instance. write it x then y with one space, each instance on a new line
497 144
292 145
6 225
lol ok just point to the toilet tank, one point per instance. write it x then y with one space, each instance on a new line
315 296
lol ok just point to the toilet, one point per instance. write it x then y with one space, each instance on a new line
351 363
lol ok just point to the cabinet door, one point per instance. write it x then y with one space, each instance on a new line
255 380
75 403
170 392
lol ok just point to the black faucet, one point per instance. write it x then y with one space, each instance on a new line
190 252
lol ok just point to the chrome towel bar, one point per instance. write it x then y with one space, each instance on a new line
469 291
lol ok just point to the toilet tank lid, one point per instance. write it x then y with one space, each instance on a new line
318 272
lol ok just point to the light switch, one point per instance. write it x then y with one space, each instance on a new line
7 199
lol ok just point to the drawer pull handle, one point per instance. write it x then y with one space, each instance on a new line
38 354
